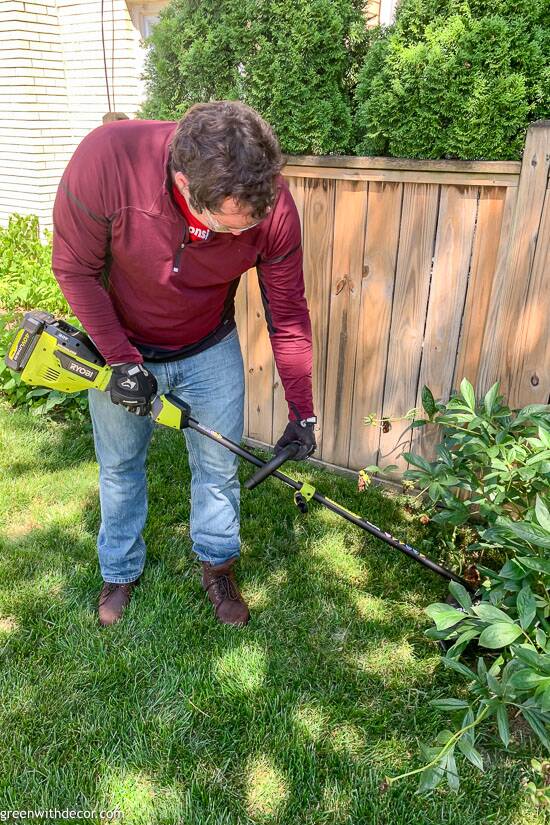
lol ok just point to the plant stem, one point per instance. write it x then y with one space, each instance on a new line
446 747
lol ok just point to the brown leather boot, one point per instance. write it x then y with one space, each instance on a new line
112 601
219 582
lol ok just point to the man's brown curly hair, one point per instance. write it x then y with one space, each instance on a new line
226 150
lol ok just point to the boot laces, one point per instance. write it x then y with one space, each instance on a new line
225 587
110 588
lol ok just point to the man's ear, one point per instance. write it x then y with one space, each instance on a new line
181 180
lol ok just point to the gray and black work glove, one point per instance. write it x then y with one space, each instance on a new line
302 432
133 387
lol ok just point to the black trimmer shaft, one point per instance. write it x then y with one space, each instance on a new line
387 538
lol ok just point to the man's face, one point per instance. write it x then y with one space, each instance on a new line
231 216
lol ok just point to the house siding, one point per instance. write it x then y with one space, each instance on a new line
53 90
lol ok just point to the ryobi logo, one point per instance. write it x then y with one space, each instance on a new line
71 365
81 370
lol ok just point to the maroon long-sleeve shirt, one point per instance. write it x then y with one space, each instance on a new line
122 257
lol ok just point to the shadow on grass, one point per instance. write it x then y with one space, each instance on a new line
294 719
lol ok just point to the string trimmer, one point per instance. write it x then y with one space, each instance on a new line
53 353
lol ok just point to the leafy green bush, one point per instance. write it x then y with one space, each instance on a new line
512 617
492 461
26 278
455 79
27 282
499 456
295 61
500 459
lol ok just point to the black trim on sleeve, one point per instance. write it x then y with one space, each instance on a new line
267 312
282 257
295 410
98 218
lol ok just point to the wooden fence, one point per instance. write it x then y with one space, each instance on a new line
417 272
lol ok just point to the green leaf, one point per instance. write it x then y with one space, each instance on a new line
534 563
481 668
474 756
544 436
435 491
543 515
37 393
510 570
429 753
494 670
461 595
418 461
503 726
490 398
449 704
453 779
526 606
531 533
534 721
469 634
527 679
455 651
435 635
499 635
389 468
459 667
543 699
467 719
51 403
468 394
431 777
488 613
541 638
530 657
428 402
494 685
443 737
533 409
443 615
542 456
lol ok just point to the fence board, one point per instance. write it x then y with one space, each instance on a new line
489 366
318 227
455 233
297 187
493 167
347 269
487 238
513 279
448 178
531 380
377 284
416 244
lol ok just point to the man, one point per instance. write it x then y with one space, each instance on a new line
154 223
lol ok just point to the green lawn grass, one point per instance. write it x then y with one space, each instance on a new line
296 718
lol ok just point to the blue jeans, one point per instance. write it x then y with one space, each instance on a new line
212 383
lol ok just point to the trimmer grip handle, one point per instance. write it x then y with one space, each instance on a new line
269 467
